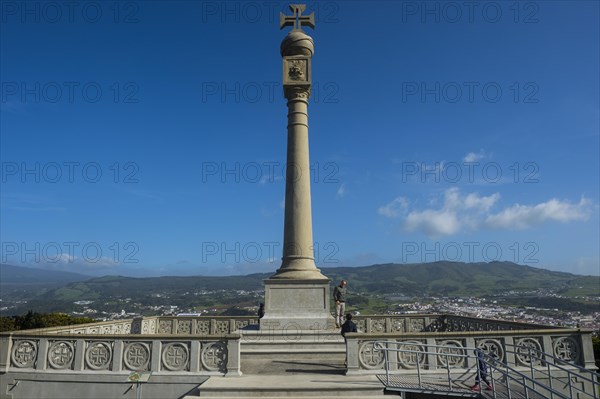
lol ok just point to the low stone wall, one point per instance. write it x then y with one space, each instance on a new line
570 345
412 323
81 353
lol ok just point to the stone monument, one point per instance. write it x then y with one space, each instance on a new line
297 295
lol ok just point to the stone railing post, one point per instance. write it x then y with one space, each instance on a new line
195 365
5 348
233 356
42 356
79 359
431 359
352 352
117 360
587 349
509 350
155 355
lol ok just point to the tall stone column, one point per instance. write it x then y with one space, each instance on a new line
297 295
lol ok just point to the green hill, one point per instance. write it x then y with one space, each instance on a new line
438 279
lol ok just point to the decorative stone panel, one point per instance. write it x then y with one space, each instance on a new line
136 356
369 356
416 325
222 327
203 327
566 348
184 327
451 347
98 355
415 355
175 356
493 347
165 326
361 325
526 346
24 353
377 326
397 325
214 356
61 355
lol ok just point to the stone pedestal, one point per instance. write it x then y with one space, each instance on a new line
297 305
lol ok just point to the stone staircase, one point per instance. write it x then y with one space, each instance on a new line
289 364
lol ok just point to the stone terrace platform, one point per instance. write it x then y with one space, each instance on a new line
211 356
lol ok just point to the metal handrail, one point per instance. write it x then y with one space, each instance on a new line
379 345
543 357
508 372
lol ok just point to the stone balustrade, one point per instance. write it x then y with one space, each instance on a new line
75 352
211 345
508 346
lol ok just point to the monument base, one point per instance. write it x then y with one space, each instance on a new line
297 304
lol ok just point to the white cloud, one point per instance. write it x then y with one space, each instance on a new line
433 223
394 208
521 217
341 192
457 211
474 157
474 211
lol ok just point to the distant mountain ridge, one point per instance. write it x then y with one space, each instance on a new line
431 279
19 275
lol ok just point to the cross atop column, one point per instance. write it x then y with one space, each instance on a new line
297 20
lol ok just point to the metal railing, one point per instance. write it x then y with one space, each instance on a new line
506 381
549 363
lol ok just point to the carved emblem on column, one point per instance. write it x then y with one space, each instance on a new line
98 355
24 354
214 356
136 356
175 356
60 354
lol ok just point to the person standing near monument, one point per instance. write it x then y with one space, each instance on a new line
339 296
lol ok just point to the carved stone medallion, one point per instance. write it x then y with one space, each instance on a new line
175 356
214 356
24 354
98 355
566 348
445 354
526 347
415 354
369 356
60 354
136 356
492 347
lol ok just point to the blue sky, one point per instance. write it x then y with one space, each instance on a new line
148 138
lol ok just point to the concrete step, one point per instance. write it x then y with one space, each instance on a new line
285 367
289 386
293 354
292 345
288 397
